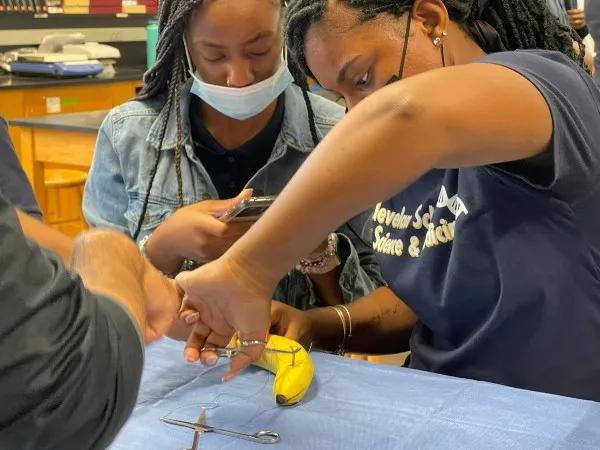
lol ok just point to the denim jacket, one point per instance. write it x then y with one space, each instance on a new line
125 153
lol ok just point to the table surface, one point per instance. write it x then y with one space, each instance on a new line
124 73
89 121
351 404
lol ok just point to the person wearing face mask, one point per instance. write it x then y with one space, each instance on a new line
219 119
479 151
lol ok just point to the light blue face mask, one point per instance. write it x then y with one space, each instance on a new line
241 103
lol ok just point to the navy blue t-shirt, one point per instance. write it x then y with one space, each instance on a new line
502 263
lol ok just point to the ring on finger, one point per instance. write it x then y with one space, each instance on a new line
252 343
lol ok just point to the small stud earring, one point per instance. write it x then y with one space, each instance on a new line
437 42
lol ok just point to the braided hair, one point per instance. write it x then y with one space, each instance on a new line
516 24
169 74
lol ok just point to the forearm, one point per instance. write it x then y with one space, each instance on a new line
110 264
46 236
381 323
165 261
327 287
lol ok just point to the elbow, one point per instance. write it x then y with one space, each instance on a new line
400 105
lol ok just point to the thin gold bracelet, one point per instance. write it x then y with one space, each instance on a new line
349 321
342 347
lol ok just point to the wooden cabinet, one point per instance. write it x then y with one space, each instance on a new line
38 101
66 99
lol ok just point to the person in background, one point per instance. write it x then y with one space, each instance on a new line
557 7
15 186
577 18
569 14
592 11
72 339
473 128
219 113
13 181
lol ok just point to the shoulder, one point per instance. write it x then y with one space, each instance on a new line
296 123
567 87
573 100
130 123
326 112
134 110
543 67
325 109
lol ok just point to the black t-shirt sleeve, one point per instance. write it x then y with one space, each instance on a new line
572 163
70 361
13 181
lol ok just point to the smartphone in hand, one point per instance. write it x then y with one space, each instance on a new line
248 210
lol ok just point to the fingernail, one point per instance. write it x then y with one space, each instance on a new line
211 360
192 318
228 377
190 356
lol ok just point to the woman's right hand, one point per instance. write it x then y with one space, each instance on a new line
195 232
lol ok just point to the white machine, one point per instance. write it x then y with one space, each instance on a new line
64 55
92 50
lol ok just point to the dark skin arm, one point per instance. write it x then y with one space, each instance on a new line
327 286
381 323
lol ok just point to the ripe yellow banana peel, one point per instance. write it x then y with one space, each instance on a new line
293 369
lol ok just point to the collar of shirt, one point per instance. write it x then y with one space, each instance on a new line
231 170
253 149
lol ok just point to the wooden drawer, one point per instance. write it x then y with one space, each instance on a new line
76 98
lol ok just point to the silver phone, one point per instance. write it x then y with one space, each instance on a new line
248 210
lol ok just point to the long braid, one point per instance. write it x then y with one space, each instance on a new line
169 105
302 82
311 115
177 74
167 75
521 24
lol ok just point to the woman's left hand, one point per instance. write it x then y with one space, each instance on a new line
292 323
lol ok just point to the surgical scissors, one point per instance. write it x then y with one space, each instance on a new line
261 437
230 352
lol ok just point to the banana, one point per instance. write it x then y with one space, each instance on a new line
293 371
